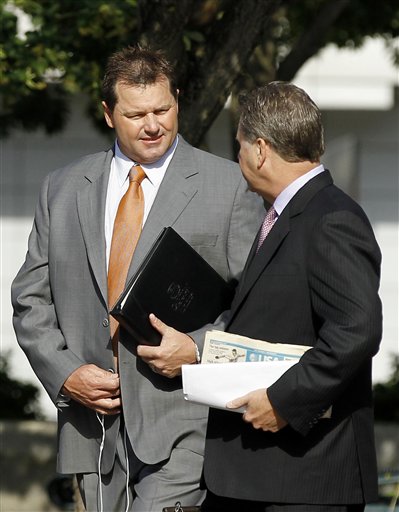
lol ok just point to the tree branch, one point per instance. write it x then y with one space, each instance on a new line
162 24
229 45
311 40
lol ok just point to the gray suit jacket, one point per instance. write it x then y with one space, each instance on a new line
60 295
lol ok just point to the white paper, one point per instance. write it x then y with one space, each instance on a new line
216 384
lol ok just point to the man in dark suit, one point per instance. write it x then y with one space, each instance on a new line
313 281
128 434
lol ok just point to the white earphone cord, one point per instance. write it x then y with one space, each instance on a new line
100 455
100 490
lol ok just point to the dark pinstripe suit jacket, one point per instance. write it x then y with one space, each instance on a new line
314 282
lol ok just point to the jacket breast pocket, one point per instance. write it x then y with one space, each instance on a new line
200 239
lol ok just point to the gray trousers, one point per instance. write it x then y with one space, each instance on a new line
149 487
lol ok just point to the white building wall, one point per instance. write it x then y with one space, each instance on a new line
375 186
358 92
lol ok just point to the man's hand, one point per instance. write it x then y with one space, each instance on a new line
95 388
176 348
259 411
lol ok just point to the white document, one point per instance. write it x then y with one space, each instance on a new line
234 365
216 384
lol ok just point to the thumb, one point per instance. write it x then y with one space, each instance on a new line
237 402
158 324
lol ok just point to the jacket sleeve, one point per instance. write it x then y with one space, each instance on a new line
343 268
35 318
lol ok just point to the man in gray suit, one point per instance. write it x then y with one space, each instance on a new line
123 426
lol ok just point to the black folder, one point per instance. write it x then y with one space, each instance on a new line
176 284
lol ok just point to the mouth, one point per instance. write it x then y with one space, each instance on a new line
150 141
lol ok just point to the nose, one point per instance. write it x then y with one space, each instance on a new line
151 123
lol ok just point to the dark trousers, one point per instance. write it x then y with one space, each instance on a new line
214 503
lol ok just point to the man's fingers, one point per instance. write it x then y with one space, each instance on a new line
158 324
107 406
109 383
237 402
147 352
90 384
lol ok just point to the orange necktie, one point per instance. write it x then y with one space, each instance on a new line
127 228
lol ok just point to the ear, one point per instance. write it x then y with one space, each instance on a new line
261 151
177 100
108 115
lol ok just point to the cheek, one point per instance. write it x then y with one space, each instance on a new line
169 121
130 129
243 160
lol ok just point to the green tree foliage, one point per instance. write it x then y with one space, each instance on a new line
219 47
386 396
19 400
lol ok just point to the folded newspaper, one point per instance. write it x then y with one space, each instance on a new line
216 384
224 347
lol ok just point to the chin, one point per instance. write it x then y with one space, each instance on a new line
152 154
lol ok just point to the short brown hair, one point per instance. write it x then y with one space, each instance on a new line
136 66
285 116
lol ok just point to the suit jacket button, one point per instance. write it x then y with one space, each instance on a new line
105 322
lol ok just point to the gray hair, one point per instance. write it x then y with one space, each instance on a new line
285 116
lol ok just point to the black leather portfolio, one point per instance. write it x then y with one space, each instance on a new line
176 284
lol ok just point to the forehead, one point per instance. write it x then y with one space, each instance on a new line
151 94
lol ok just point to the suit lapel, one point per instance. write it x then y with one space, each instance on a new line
257 262
91 210
177 189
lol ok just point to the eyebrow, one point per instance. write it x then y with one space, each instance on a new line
140 112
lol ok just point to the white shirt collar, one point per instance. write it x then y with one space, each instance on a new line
288 193
154 172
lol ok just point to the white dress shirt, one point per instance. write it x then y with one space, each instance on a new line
119 182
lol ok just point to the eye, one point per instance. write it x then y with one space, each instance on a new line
161 111
134 117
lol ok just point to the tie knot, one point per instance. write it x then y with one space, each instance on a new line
136 174
270 215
